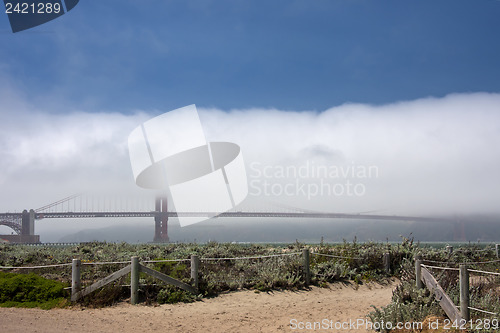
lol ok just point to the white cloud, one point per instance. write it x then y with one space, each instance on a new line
432 155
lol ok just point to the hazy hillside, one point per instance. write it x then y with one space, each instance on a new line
472 229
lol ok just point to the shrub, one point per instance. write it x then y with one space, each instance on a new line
30 290
171 295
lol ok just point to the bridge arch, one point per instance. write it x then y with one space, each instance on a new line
13 225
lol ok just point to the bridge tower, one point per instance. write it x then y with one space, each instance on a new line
161 220
459 230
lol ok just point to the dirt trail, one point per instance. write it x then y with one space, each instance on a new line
243 311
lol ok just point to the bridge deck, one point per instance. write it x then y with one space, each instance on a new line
67 215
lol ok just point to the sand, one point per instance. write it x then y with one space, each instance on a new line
242 311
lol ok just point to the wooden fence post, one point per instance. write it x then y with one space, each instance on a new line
195 262
444 300
134 281
497 247
464 292
387 262
418 272
76 284
307 271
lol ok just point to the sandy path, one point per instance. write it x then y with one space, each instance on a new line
244 311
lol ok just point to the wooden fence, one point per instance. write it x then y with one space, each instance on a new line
423 276
134 269
459 314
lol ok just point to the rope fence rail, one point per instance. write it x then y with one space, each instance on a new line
462 263
262 257
253 257
335 256
483 311
442 268
105 263
484 272
151 261
34 267
164 260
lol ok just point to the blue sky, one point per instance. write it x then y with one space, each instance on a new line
122 55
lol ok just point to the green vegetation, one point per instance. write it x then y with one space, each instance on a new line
170 295
30 290
280 268
266 267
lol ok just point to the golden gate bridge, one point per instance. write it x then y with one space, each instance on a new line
81 206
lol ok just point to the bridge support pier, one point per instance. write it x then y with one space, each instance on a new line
27 234
161 220
28 222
